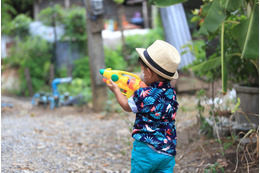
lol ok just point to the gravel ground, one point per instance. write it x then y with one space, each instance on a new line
63 140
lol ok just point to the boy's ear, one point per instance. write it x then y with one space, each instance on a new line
150 73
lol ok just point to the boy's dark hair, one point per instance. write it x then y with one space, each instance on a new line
143 64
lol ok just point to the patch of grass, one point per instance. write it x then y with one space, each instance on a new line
214 168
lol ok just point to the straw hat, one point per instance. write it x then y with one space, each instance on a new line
162 58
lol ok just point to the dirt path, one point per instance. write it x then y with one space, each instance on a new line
70 139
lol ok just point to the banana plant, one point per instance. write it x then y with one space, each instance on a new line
246 33
164 3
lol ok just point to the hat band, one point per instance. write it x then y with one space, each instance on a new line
155 65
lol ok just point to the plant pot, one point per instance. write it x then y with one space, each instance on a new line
249 104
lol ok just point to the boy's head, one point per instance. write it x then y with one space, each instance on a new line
149 76
162 59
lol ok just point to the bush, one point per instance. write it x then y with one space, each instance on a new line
33 53
7 10
114 59
74 20
46 15
75 24
81 70
19 26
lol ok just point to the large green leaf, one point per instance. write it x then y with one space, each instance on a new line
208 65
165 3
211 63
247 34
231 5
216 15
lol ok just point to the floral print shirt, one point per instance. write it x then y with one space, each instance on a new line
155 107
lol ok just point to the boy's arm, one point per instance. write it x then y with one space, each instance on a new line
122 100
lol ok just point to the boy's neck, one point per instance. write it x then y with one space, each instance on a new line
154 79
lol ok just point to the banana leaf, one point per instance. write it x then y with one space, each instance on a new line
165 3
207 65
211 63
247 34
231 5
215 17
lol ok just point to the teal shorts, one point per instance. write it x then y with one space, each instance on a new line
146 160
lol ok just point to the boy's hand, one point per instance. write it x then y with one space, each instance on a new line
113 86
122 100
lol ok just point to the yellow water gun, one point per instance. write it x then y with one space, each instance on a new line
122 79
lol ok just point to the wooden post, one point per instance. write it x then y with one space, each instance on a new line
28 80
67 3
120 13
36 9
145 14
154 16
96 58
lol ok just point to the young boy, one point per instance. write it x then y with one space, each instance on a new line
155 107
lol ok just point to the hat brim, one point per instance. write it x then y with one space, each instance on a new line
140 51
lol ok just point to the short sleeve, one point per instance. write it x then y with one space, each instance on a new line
132 105
140 101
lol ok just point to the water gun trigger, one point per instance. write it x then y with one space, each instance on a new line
106 80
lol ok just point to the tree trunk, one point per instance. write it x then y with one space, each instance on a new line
28 80
96 58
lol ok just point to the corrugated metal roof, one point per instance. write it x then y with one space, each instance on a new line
177 31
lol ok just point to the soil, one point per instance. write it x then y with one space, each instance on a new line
75 139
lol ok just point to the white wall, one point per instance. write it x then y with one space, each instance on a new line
4 41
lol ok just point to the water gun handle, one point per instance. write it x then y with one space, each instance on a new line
125 92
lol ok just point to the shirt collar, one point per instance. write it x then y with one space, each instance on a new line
161 84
